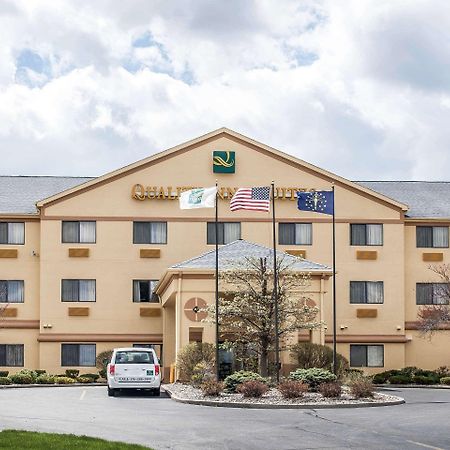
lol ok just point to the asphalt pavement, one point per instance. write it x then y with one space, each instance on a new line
423 422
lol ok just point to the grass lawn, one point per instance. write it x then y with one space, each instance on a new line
15 439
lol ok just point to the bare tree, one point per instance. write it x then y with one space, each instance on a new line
437 316
247 307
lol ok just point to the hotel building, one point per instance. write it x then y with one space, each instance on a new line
89 264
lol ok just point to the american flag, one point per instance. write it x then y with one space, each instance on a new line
254 199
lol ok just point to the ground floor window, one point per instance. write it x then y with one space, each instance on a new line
366 355
78 355
11 355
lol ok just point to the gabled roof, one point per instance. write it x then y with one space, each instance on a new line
258 146
18 195
426 199
234 253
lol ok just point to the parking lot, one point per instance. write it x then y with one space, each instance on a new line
423 422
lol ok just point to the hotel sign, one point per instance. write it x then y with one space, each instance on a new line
224 162
141 192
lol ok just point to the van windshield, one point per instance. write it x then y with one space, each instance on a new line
134 357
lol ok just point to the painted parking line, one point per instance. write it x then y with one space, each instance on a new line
82 395
425 445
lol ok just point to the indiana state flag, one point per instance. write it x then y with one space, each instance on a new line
316 201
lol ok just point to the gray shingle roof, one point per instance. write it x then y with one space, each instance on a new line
426 199
232 254
18 194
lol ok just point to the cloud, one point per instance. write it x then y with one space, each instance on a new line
359 88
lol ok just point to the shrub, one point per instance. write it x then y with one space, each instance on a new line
201 373
84 380
292 389
64 380
21 378
39 372
409 371
423 379
383 377
102 360
445 380
235 379
191 355
5 380
93 376
30 373
102 373
428 374
45 379
212 388
309 356
361 387
400 379
312 377
443 371
4 373
72 373
330 390
252 389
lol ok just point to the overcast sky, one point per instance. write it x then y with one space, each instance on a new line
360 88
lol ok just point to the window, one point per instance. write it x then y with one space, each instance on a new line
432 293
366 355
11 291
78 290
78 355
143 291
228 232
295 233
11 355
12 233
371 234
134 357
79 232
366 292
432 237
156 347
149 232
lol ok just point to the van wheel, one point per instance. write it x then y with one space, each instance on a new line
111 392
156 392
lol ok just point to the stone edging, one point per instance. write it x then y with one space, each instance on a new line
398 401
415 386
20 386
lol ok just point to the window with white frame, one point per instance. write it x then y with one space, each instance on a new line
227 231
12 233
436 237
366 292
366 234
149 232
78 232
295 233
78 355
78 290
143 291
11 291
366 355
11 355
432 293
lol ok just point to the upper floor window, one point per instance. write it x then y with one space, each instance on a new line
366 355
228 232
432 293
11 291
78 290
12 233
11 355
78 355
143 291
295 233
78 232
432 237
366 292
149 232
362 234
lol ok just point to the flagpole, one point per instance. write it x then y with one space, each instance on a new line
334 291
275 287
217 283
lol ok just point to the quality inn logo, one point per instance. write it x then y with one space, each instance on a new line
223 162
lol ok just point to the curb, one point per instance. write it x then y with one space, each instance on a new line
217 404
413 386
25 386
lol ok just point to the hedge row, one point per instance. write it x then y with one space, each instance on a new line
413 375
26 376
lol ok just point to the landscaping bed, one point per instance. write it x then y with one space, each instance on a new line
273 399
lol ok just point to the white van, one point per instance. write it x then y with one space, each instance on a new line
134 368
